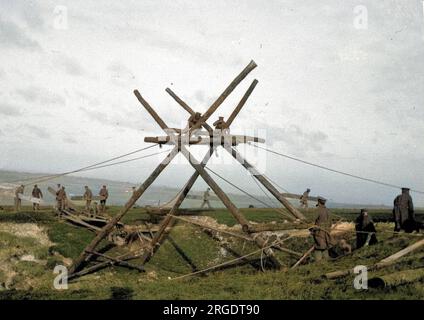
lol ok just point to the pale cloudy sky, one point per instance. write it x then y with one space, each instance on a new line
329 92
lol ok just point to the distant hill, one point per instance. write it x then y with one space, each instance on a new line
121 191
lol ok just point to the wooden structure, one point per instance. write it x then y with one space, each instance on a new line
193 134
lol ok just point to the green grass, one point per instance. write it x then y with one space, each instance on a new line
243 282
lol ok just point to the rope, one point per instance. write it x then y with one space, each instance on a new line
334 170
52 176
245 192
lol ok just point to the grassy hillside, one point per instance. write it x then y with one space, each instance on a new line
48 241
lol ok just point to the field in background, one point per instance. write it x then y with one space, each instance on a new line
28 259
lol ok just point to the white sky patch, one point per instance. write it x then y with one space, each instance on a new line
328 92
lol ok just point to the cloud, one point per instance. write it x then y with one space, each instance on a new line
39 132
12 36
70 140
9 110
70 66
297 138
37 94
119 70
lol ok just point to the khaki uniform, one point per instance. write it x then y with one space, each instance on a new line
403 210
36 193
88 196
104 194
18 201
321 233
206 197
61 199
304 200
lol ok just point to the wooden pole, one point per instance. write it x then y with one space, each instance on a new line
382 264
397 278
130 203
252 65
307 253
241 103
168 221
264 181
260 241
151 111
187 108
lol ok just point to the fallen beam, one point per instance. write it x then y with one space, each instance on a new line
382 264
397 278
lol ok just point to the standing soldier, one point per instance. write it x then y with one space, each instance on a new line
403 211
57 191
104 194
304 199
88 196
36 193
365 230
61 199
221 125
321 233
206 197
134 190
18 201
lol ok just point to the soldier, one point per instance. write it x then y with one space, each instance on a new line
134 190
57 191
304 199
88 196
403 211
36 193
18 201
61 200
365 230
321 233
104 194
193 119
221 125
206 197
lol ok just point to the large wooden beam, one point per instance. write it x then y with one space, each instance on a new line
151 111
130 203
168 221
252 65
260 241
382 264
264 181
187 108
216 140
241 103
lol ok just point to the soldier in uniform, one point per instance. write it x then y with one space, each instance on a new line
18 201
61 200
206 197
193 119
36 193
104 194
365 230
304 199
321 231
403 211
88 196
221 125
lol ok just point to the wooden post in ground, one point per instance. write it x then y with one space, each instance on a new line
264 181
130 203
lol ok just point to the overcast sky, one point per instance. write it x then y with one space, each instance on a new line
335 88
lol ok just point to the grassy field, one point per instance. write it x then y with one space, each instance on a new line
48 242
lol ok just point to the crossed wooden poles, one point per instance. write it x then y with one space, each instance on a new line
180 139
